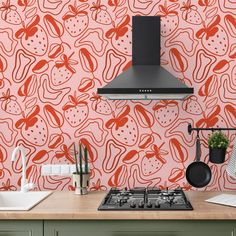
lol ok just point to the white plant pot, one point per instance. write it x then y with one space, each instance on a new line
81 186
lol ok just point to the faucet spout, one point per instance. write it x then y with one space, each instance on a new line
24 182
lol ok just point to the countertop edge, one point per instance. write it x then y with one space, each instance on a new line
68 206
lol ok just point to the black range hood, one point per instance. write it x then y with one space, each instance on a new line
146 79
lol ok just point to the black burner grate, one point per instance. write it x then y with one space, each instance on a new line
145 199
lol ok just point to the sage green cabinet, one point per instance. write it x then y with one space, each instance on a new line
117 228
139 228
21 228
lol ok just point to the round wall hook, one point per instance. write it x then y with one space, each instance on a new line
198 136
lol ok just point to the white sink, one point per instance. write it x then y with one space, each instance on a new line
19 201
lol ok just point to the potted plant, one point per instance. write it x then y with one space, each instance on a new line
218 143
81 175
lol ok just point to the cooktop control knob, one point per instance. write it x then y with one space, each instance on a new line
141 204
149 204
132 204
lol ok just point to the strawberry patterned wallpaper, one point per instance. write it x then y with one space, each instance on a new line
53 56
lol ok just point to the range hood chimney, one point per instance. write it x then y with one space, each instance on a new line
146 79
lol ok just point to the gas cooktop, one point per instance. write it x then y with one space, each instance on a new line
145 199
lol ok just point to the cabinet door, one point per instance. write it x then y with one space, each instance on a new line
139 228
21 228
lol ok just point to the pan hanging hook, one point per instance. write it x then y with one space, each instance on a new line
198 134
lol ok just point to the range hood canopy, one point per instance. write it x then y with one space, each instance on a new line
146 79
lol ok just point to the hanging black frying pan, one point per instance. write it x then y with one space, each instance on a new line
198 173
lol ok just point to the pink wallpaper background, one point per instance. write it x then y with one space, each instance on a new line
53 56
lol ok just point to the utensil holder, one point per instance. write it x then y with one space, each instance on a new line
81 186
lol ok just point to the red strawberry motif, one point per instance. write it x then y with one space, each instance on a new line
33 128
190 13
115 3
206 3
124 128
209 120
208 32
3 68
65 154
76 110
26 4
62 71
169 19
98 186
10 14
214 37
192 106
7 186
76 19
120 36
166 112
100 105
100 13
33 37
10 104
153 161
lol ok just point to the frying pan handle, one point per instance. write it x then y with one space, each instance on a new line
198 148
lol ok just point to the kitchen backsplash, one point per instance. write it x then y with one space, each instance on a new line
55 54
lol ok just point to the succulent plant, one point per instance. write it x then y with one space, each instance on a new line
218 140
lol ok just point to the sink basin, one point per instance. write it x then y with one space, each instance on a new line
19 201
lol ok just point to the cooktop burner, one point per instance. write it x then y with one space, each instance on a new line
145 199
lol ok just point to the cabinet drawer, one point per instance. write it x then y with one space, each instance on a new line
15 233
21 228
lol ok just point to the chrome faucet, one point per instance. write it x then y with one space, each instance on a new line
25 186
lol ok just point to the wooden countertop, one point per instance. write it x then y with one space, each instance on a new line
68 206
